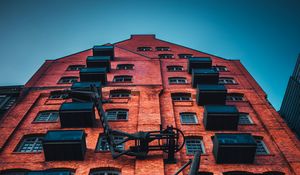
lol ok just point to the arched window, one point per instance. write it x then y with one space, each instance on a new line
119 93
68 80
30 144
117 114
14 172
238 173
122 79
177 80
205 173
47 116
273 173
181 96
175 68
125 66
105 171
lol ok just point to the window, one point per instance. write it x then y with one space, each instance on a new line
193 145
45 172
225 80
221 68
102 144
122 79
125 66
188 118
105 172
47 116
68 80
166 56
58 95
163 48
238 173
2 98
75 67
235 97
144 49
181 97
261 147
245 119
30 144
175 68
119 94
177 80
185 55
116 114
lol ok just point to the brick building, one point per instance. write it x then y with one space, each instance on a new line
148 84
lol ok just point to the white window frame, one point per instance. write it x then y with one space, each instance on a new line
188 114
177 80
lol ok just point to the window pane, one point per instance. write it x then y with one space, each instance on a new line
31 144
261 147
188 118
193 145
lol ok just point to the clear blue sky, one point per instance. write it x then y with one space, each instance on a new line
263 34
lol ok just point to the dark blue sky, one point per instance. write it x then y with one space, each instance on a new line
263 34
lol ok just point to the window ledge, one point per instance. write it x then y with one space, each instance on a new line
183 103
197 124
179 83
27 152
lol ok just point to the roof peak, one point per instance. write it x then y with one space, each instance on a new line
142 36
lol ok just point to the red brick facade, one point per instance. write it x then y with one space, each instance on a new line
150 105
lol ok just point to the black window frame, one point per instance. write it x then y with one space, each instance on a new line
75 67
177 80
227 81
125 66
166 56
181 96
104 147
185 55
175 68
118 114
123 78
71 79
144 49
162 48
120 93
